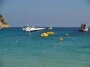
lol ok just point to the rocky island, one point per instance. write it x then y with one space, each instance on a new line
3 23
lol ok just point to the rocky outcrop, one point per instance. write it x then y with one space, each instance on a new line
3 23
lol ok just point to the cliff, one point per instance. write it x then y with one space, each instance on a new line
3 23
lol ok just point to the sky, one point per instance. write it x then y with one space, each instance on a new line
58 13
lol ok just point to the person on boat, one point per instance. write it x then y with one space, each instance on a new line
84 26
81 26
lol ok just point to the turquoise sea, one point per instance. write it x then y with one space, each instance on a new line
19 48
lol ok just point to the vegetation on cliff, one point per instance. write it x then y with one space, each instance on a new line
3 23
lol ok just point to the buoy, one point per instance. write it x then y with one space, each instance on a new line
61 39
66 34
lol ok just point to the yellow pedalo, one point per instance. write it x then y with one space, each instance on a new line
44 35
50 33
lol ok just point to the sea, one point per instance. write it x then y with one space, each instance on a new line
19 48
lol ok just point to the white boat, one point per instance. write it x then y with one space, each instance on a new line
24 28
30 29
49 27
83 28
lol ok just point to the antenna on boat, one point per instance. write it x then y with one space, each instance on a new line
51 17
27 14
50 27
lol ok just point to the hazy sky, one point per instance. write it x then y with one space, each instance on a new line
61 13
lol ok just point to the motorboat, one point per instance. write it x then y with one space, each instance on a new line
24 28
30 29
83 28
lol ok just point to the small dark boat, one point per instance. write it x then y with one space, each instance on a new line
83 28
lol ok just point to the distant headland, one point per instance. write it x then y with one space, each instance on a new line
3 23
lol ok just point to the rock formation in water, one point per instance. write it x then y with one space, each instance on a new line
3 23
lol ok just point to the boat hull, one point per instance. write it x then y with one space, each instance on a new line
34 29
83 30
